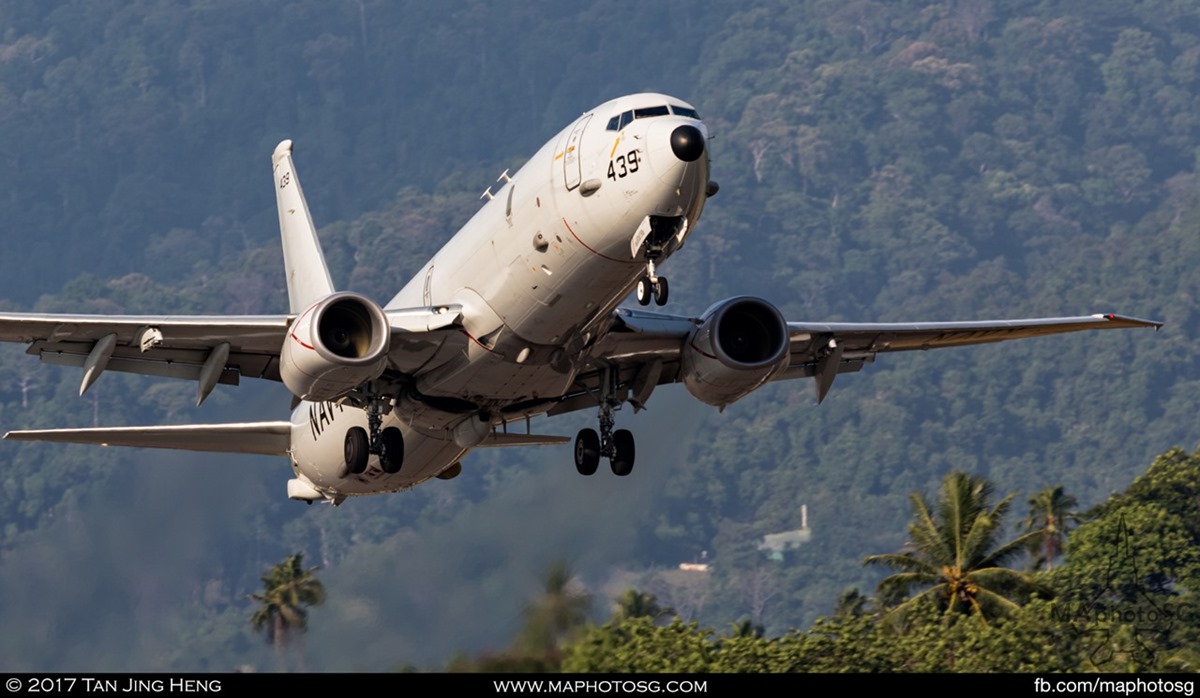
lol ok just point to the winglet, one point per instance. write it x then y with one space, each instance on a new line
308 279
1128 321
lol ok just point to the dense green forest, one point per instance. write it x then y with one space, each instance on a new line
1124 600
959 159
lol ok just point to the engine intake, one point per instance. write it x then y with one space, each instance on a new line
739 344
335 346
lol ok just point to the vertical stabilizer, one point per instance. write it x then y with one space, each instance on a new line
308 278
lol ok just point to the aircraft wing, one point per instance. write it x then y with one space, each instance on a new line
819 348
642 349
209 349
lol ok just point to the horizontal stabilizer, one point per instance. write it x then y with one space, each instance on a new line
500 439
264 438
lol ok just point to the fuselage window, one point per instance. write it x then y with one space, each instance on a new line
613 123
626 118
685 111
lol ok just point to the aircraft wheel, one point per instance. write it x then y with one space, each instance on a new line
645 290
660 291
358 450
587 451
622 460
393 450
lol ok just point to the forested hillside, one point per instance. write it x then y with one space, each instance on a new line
890 161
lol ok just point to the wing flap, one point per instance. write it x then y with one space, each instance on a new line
262 438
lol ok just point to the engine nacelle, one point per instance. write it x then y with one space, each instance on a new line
739 344
335 346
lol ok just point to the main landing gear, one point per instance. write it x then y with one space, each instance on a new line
617 446
388 443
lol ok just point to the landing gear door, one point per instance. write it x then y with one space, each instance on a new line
572 164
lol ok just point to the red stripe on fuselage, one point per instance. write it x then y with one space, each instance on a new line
589 248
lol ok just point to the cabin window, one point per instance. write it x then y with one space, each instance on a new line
685 111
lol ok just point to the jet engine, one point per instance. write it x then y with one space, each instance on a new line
335 346
739 344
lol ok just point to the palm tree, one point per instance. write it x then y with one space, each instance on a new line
562 609
288 589
1051 512
953 552
638 604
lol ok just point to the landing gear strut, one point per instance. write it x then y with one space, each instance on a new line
617 446
361 443
388 443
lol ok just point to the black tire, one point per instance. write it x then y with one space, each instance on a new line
587 451
393 450
358 450
622 460
644 290
660 291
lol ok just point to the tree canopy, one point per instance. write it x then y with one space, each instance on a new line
956 553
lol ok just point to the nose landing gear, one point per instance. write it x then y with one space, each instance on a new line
653 238
652 285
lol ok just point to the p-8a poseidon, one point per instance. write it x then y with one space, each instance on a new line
517 316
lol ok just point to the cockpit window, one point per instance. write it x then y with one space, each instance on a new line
650 111
685 111
621 121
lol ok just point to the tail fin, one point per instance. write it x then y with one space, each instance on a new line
308 279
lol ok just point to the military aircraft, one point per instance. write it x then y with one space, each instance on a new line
517 316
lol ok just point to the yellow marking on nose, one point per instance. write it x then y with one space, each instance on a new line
614 150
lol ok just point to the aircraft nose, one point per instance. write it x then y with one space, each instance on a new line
687 143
